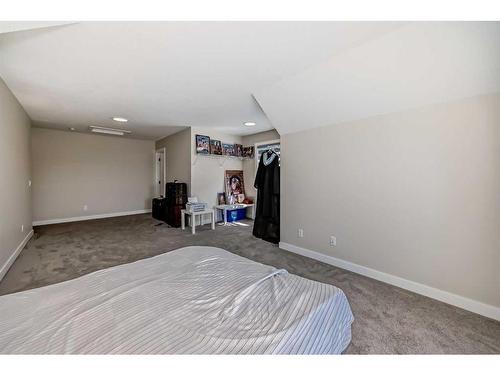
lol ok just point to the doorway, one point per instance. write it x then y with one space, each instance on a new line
160 172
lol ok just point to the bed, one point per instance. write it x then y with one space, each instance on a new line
194 300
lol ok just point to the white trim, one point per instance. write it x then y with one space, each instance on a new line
161 150
14 256
90 217
477 307
266 142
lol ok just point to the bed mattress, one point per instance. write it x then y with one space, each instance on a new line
198 300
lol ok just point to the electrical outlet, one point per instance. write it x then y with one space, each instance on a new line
333 241
300 233
85 208
22 227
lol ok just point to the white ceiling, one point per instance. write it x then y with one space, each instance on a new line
11 26
167 75
164 75
418 64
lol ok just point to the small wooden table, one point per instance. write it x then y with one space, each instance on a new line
193 218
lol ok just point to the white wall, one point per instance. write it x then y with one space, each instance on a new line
207 172
15 172
419 64
106 173
414 194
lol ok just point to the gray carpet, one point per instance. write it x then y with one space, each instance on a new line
387 319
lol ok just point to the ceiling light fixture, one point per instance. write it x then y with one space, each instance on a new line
120 119
249 123
111 131
72 129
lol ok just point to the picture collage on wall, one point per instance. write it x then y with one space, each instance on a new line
207 146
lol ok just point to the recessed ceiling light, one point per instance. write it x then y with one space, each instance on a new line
249 123
120 119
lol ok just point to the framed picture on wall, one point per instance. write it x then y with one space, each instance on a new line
248 152
202 144
238 150
215 147
227 149
234 185
221 198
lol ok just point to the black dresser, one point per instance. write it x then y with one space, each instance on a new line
176 199
159 209
168 208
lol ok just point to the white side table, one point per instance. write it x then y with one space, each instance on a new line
193 218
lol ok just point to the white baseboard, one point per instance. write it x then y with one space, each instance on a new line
477 307
15 254
90 217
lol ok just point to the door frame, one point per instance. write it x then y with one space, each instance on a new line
160 190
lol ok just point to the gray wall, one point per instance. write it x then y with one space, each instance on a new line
177 156
15 171
413 194
106 173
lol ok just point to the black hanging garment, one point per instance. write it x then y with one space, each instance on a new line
267 183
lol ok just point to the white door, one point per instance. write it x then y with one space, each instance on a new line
160 173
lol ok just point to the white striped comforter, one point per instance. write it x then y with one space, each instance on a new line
192 300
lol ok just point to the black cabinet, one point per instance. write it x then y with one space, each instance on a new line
159 208
176 199
176 193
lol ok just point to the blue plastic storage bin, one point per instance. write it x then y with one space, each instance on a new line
237 214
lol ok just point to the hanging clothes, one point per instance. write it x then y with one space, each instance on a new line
267 183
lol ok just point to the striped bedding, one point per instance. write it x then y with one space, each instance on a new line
199 300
